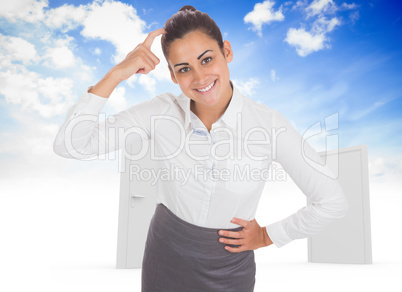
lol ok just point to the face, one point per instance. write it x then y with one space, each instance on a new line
200 68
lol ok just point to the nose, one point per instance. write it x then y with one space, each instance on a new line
200 77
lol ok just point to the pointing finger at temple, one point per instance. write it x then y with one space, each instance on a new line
151 37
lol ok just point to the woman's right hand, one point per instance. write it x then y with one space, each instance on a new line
139 61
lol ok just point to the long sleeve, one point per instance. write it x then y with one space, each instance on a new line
326 199
86 134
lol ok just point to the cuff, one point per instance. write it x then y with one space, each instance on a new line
89 103
277 234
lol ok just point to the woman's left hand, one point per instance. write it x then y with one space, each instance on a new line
251 237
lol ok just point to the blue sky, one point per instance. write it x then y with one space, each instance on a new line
308 59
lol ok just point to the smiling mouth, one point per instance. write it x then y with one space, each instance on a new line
206 89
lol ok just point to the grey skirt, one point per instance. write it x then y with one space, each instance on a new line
180 256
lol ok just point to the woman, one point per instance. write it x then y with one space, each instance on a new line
203 233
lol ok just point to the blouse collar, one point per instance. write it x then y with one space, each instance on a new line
229 117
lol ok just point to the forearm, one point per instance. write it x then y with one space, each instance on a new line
139 61
107 84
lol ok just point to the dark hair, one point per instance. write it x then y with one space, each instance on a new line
186 20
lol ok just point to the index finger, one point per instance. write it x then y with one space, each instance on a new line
239 221
152 35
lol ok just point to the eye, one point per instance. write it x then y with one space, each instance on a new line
206 60
184 70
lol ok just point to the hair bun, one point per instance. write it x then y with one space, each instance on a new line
188 7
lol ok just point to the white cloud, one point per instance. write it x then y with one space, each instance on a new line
321 6
274 77
315 39
60 54
31 91
346 6
111 21
263 13
97 51
17 49
247 87
30 11
148 82
382 166
307 42
46 96
132 80
304 41
323 25
66 17
299 3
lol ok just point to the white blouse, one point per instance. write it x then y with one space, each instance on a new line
210 177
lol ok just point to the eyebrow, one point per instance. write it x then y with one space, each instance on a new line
181 64
199 57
